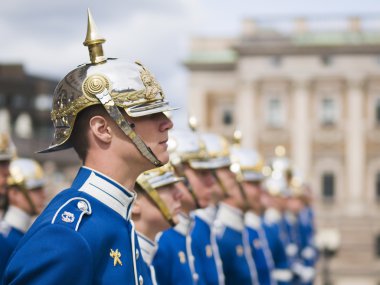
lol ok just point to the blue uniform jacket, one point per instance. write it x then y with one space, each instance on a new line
205 249
148 249
260 250
309 252
16 222
282 272
238 264
174 261
84 236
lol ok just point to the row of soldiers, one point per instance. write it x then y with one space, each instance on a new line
210 216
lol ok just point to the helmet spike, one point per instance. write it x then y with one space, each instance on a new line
94 41
193 123
237 137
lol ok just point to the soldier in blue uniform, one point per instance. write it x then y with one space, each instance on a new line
208 263
175 245
110 111
231 235
156 209
251 174
26 196
272 226
283 175
301 228
7 151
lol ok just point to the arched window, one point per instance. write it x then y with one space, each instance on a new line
328 186
377 246
274 113
377 186
377 112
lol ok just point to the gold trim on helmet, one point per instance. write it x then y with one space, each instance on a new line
150 181
7 148
26 173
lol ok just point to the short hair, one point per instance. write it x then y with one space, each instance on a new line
139 190
79 136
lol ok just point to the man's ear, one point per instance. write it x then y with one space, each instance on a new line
101 129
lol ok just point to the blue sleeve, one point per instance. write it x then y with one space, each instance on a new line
5 253
53 255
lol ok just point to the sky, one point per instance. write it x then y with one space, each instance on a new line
46 36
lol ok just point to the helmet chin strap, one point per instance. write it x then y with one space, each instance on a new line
191 191
156 199
221 184
101 92
33 209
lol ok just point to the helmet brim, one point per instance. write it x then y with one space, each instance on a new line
150 108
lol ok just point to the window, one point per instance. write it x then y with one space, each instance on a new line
274 118
377 246
19 101
276 60
328 112
377 187
43 102
377 112
328 186
227 117
3 100
326 60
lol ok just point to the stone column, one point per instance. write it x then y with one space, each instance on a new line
301 128
197 103
354 151
245 114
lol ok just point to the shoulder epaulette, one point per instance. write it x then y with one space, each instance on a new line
70 214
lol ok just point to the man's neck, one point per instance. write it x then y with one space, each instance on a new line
146 229
117 169
233 203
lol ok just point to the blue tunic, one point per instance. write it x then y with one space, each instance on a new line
16 222
174 261
260 250
282 272
238 265
84 236
148 249
205 249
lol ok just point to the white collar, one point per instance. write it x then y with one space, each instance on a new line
18 219
272 216
184 224
148 248
230 217
109 192
207 215
252 220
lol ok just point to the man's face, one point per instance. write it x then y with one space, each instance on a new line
187 200
171 195
4 173
294 205
153 130
201 181
234 194
253 192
